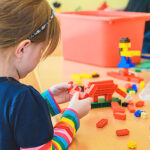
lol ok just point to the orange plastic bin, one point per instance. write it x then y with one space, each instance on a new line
92 37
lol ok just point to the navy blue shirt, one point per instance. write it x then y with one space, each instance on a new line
24 116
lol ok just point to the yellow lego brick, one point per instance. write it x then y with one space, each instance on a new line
142 85
144 115
132 92
85 75
132 145
94 73
130 53
79 82
124 45
124 90
75 76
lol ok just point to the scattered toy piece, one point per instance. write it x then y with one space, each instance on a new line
128 86
101 123
131 108
139 104
122 132
137 113
95 75
119 116
144 115
142 85
132 145
125 104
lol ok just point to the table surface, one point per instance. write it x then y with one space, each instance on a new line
56 70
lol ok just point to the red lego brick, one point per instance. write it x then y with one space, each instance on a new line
101 123
122 132
125 75
139 104
119 116
122 93
117 108
128 86
131 102
131 108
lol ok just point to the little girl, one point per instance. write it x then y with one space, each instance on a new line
29 31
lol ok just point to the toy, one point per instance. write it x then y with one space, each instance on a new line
101 123
116 107
79 82
142 85
134 87
143 114
137 113
119 116
103 103
131 108
132 145
125 54
99 88
95 75
139 104
125 75
145 93
124 104
128 86
85 75
122 132
75 77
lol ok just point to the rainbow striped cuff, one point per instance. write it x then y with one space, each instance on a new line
52 105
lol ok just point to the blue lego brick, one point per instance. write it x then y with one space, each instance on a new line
137 113
125 63
134 87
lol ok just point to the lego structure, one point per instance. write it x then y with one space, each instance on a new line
126 63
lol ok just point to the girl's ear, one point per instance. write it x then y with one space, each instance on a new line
21 48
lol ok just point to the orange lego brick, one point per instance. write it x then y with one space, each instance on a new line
101 123
131 108
139 104
117 108
120 116
128 86
122 132
121 92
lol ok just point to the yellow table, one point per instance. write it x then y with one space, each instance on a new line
55 70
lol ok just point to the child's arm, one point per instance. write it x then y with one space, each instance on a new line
68 125
53 107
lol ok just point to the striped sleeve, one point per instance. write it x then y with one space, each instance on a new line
64 132
53 107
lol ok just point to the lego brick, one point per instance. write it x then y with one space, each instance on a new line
75 77
124 104
120 92
131 108
122 132
139 104
130 90
124 90
119 116
125 75
132 93
134 87
116 107
101 123
95 75
142 85
132 145
137 113
85 75
144 115
128 86
78 82
102 103
137 70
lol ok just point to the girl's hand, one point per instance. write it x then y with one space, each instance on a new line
82 107
60 92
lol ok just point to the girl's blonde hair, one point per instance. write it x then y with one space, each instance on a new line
19 19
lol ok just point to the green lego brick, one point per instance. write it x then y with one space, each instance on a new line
137 70
103 103
128 90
